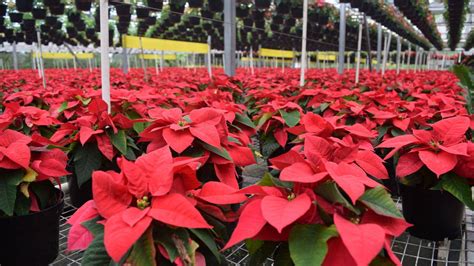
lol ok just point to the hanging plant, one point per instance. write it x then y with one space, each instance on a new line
455 16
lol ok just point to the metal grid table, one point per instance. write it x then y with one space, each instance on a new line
410 250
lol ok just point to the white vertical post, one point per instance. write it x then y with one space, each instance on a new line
162 59
251 60
125 61
229 37
386 52
444 61
15 58
379 46
145 77
303 42
90 64
417 55
38 38
104 51
399 50
156 63
342 37
359 47
409 57
209 57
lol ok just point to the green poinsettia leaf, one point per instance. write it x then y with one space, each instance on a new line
291 118
379 200
308 243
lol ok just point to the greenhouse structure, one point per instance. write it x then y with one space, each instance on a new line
236 132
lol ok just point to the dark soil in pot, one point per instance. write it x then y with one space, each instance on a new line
31 239
435 214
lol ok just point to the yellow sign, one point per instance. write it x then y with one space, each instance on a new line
276 53
164 45
326 57
247 59
48 55
157 56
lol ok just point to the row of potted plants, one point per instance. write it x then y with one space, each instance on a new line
455 16
417 11
163 168
391 18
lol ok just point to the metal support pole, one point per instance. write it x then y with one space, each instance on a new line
124 56
145 77
209 56
409 57
229 37
399 51
251 61
104 51
342 37
38 38
379 46
367 38
15 58
359 47
386 52
303 42
162 59
156 63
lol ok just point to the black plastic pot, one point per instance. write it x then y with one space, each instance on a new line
216 5
283 8
435 214
158 4
16 17
79 195
142 12
57 9
195 3
3 10
38 13
24 5
31 239
83 5
51 2
123 10
241 12
262 4
297 12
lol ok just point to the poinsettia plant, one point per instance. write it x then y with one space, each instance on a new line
94 138
439 156
203 133
28 173
275 122
154 211
320 202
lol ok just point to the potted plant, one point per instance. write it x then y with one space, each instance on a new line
434 166
313 205
93 141
204 131
30 204
153 210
